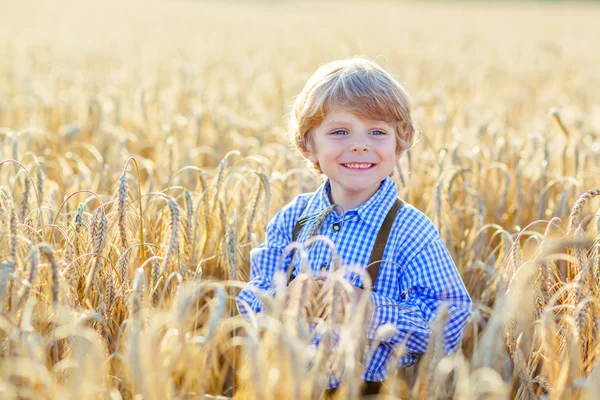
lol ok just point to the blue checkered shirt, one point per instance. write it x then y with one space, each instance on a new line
406 296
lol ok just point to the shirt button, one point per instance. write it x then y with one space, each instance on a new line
335 227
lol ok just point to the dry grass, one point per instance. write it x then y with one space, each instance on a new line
141 157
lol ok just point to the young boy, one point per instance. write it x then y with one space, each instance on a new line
351 123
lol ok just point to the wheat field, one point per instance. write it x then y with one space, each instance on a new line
142 153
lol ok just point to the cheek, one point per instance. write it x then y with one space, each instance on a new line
331 149
385 148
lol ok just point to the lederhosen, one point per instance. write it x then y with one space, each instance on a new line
378 247
369 388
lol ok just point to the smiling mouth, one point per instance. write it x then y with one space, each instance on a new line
358 165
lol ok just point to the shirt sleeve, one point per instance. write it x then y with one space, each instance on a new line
437 281
265 259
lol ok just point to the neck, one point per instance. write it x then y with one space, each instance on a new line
349 199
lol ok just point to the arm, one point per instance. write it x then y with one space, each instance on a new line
265 258
263 261
437 280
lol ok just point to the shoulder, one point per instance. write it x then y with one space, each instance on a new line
414 222
295 208
413 231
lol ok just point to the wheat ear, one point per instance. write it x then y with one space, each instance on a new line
574 225
79 227
155 275
33 265
137 295
231 238
190 236
122 199
522 370
575 216
25 200
174 240
12 247
99 241
40 191
554 112
110 295
252 213
47 251
7 268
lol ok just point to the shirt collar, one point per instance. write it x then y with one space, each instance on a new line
372 211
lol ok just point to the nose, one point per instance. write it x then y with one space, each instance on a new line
358 148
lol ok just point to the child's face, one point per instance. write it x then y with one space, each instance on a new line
356 154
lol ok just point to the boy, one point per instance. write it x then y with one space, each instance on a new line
351 123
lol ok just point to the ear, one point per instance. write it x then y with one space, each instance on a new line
311 156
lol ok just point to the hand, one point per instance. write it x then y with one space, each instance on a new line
302 292
327 305
325 302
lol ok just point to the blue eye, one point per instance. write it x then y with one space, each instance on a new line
378 133
339 132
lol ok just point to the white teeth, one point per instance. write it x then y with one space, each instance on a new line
358 165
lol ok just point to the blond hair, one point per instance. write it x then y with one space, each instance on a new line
360 86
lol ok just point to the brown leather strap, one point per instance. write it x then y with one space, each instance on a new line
297 229
381 241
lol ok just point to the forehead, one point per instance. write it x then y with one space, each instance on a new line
338 114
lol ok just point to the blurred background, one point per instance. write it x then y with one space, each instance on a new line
506 48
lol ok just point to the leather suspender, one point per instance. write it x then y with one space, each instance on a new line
380 241
297 229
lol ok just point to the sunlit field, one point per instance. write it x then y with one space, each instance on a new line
143 152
